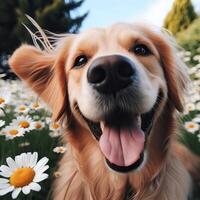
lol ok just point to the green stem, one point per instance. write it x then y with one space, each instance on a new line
6 115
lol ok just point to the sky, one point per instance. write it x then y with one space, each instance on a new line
105 12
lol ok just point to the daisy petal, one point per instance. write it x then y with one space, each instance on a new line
35 186
28 157
3 180
41 163
42 169
4 185
6 190
16 192
11 163
18 160
26 189
40 178
24 163
34 159
5 175
5 170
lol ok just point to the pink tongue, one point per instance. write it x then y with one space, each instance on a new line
122 147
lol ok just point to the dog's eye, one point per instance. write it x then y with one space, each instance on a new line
80 61
141 50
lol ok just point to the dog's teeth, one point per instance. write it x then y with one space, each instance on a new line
102 125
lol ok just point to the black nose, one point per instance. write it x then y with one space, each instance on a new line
109 74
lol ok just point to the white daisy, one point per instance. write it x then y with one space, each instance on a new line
192 70
186 59
11 132
22 174
4 98
55 134
39 125
59 149
196 58
187 53
195 97
196 119
189 107
54 126
24 122
36 106
22 109
2 123
48 120
191 127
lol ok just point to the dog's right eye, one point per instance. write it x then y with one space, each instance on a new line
80 61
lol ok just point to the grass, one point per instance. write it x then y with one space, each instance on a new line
44 140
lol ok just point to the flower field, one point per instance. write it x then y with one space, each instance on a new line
28 139
191 116
30 145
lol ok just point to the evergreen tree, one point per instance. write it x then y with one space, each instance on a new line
52 15
180 16
8 21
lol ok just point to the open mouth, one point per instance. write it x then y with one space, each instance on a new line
122 137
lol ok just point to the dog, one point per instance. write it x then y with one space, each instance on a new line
117 91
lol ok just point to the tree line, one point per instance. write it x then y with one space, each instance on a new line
53 15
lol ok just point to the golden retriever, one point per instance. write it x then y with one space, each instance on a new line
117 91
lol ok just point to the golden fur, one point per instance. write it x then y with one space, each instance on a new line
84 173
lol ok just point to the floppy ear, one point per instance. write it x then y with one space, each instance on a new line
44 72
175 71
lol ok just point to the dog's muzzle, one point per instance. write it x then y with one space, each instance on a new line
122 131
110 74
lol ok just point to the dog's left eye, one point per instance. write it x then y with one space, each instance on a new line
141 50
80 61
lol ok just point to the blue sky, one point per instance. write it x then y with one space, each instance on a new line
105 12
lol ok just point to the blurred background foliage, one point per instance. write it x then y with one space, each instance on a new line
184 24
180 16
53 15
189 38
60 16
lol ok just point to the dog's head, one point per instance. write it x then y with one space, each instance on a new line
114 82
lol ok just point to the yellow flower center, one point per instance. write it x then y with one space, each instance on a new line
190 108
13 132
191 125
22 177
38 125
55 125
36 105
24 124
22 108
57 174
2 100
61 149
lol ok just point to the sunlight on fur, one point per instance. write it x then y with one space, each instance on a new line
147 92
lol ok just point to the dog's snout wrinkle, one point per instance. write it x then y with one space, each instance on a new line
109 74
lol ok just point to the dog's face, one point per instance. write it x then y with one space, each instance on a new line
115 82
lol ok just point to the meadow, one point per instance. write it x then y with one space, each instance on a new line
26 126
29 139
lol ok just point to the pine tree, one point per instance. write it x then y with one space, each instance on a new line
8 20
180 16
52 15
